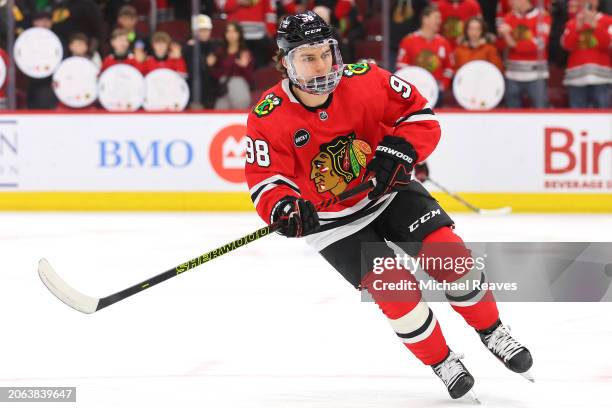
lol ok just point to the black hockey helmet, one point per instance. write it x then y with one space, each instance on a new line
302 29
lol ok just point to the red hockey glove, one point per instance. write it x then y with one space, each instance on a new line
421 172
297 217
391 165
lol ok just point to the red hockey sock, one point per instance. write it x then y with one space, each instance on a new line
478 307
410 317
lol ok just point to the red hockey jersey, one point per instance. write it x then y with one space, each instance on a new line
317 153
111 60
590 60
527 61
454 15
175 64
434 55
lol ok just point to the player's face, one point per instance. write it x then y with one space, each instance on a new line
313 61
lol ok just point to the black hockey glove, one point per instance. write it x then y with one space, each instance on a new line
421 172
297 217
392 165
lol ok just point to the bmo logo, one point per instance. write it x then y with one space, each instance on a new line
149 154
228 153
566 152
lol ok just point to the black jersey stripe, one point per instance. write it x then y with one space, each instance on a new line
426 111
338 222
278 183
420 330
470 295
370 204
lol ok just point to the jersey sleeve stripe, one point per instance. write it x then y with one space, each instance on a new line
271 179
423 114
275 182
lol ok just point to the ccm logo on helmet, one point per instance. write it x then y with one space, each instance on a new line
316 30
392 152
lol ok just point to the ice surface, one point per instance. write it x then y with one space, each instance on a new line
271 325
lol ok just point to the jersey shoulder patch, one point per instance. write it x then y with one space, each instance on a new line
267 105
351 70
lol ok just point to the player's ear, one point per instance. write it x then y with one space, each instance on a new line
284 62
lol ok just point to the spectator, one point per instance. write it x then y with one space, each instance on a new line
405 19
258 20
588 76
477 44
127 20
78 46
166 54
525 33
39 93
234 70
428 49
121 54
454 15
78 16
207 47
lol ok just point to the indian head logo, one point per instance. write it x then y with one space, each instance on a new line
338 163
522 33
453 27
428 60
587 40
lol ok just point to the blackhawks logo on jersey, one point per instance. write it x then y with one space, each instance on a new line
267 105
522 33
587 40
355 69
428 60
453 27
338 163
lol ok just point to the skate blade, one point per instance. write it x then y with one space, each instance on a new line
527 374
471 394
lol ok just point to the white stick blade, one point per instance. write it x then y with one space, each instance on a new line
63 291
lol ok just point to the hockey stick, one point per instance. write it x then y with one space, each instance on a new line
88 304
481 211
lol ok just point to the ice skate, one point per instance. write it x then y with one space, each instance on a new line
507 349
455 376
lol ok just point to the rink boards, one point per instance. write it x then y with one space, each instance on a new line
557 161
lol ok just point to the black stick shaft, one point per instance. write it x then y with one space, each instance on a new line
455 196
222 250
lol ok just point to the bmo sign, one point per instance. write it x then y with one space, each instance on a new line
577 159
153 154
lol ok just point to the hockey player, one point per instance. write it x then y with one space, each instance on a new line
322 130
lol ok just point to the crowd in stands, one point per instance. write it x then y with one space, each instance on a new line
553 53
